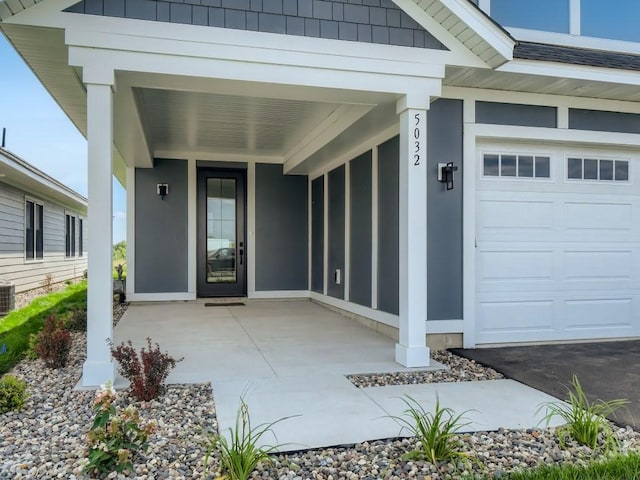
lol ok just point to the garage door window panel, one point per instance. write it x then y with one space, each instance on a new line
597 169
622 171
516 166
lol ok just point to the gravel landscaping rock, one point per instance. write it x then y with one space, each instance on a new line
45 440
458 370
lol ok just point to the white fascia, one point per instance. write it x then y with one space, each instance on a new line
489 34
560 101
572 40
577 72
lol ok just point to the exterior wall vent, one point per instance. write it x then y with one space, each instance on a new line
7 297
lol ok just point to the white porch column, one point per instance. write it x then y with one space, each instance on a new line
411 350
99 366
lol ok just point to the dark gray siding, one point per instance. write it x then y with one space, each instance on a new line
317 235
388 240
360 219
281 230
336 232
515 114
444 212
161 228
604 121
371 21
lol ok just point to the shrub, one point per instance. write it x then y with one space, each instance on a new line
76 319
47 283
585 420
13 393
53 343
147 372
31 351
114 440
240 455
436 431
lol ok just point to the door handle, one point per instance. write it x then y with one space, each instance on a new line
241 252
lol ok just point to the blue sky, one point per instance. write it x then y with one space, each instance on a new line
39 132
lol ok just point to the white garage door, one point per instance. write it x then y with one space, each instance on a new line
558 244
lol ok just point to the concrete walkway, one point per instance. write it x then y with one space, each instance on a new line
290 358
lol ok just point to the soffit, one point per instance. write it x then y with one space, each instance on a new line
543 84
472 28
9 8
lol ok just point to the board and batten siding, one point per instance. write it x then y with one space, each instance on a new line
29 274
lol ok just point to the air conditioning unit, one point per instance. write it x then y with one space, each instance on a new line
7 297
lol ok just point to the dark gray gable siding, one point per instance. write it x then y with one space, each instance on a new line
370 21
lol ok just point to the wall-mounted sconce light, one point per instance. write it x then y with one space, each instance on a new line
445 173
162 189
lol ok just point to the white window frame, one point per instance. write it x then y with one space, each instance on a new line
518 178
35 203
73 252
598 181
80 243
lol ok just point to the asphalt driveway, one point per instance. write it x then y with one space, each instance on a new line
606 370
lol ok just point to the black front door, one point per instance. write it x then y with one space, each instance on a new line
221 245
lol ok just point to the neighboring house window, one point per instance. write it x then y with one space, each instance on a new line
34 244
521 166
80 240
70 236
597 169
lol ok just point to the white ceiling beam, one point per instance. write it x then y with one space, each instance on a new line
337 122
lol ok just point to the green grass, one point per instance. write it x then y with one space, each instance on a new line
615 468
16 327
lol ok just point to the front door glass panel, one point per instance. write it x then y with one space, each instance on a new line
221 230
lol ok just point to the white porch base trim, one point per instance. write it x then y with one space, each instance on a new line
413 356
95 374
283 294
444 326
161 297
377 315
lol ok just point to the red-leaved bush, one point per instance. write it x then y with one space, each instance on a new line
147 372
53 343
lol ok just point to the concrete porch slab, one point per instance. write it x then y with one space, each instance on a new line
290 358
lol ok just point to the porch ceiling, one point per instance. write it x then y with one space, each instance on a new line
226 124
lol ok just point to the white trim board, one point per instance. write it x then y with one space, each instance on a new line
161 297
279 294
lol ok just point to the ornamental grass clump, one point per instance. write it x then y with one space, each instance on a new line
240 454
586 421
436 432
13 393
146 372
115 440
53 343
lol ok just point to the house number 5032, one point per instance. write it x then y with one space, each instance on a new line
417 141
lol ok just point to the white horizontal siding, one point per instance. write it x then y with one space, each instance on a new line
25 274
12 217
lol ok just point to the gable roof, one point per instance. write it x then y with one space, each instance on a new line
576 56
19 173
